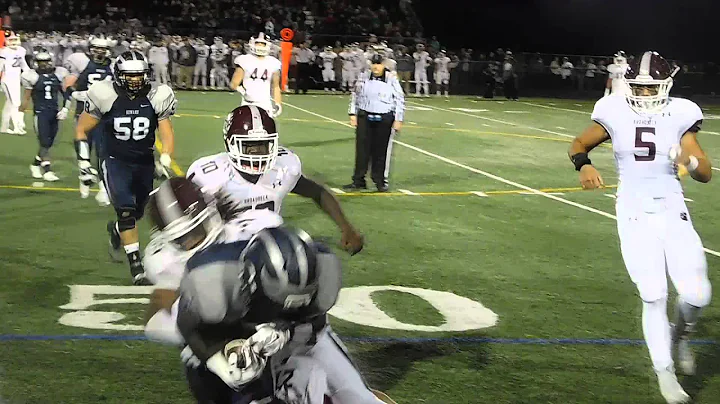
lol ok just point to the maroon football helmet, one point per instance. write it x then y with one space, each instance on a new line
251 139
180 213
649 80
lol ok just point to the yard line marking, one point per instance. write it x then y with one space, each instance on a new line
549 193
449 124
613 196
517 112
710 132
485 173
406 192
556 108
499 121
716 169
480 194
337 190
560 127
377 340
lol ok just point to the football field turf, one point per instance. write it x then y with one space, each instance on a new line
485 206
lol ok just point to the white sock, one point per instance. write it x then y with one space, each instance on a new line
131 248
6 115
656 329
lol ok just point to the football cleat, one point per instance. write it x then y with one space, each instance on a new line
138 275
670 388
50 177
36 171
115 248
102 197
84 190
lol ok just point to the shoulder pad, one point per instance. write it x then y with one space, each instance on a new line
61 73
205 172
101 97
603 110
29 78
289 160
241 60
276 64
163 101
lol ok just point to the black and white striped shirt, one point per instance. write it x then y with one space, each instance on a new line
378 95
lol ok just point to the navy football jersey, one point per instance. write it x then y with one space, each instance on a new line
46 89
87 73
129 125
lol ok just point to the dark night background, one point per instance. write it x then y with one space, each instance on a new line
676 29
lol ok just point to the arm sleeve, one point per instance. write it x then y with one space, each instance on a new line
164 102
399 98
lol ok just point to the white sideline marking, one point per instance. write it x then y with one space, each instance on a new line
501 121
478 193
481 172
517 112
337 190
556 108
406 192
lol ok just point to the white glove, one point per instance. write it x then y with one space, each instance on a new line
268 339
62 114
79 95
88 175
607 91
165 160
189 359
277 110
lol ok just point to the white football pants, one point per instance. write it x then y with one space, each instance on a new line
200 72
11 109
421 79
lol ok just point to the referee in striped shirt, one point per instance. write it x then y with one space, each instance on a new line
377 106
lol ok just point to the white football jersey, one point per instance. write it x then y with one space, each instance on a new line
441 64
203 51
215 175
359 61
422 60
258 76
12 63
641 144
616 74
158 55
328 58
347 60
218 53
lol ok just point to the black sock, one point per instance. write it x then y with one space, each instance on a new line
46 166
37 161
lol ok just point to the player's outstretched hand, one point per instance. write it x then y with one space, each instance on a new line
590 177
352 241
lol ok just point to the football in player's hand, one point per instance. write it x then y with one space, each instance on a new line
235 352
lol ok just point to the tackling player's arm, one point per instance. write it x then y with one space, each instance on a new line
593 136
352 241
27 96
693 157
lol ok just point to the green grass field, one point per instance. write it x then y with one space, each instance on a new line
465 222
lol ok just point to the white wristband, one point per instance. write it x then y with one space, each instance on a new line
693 165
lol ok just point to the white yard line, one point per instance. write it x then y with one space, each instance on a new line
481 172
556 108
478 193
337 190
498 121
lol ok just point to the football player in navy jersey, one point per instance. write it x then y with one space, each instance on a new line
85 70
129 110
44 86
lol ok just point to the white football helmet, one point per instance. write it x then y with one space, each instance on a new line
259 46
99 49
620 58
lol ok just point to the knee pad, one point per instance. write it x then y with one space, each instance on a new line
126 219
696 293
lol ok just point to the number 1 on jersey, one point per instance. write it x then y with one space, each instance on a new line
640 143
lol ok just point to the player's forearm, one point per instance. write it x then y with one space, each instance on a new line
703 172
26 99
167 136
331 206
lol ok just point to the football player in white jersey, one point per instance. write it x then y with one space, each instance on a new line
200 71
12 65
249 183
328 71
652 134
159 59
257 77
422 60
442 73
346 56
616 74
219 69
140 44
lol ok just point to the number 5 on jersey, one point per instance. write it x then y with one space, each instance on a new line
137 127
649 145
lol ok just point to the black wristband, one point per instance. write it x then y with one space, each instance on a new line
579 160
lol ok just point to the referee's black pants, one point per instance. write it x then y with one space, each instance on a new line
373 147
302 81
